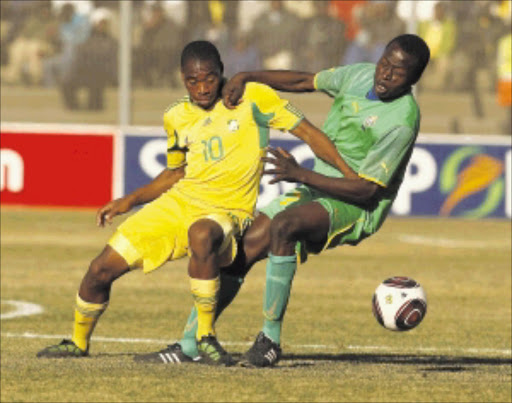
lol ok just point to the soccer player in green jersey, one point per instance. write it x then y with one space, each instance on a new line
374 122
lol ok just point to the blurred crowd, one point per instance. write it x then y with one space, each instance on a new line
73 44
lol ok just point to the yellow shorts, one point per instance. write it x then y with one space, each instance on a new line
159 232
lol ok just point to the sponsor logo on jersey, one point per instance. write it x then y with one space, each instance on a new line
369 121
233 125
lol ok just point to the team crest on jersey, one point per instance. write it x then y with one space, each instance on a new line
233 125
369 121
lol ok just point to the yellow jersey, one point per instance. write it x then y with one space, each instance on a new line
221 149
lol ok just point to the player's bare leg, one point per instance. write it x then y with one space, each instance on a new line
307 223
91 301
103 271
205 241
253 248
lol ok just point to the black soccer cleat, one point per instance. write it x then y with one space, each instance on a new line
172 354
65 349
263 353
212 353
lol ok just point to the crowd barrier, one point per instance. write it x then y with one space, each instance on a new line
88 165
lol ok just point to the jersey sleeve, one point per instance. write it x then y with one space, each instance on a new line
386 155
270 110
175 153
331 81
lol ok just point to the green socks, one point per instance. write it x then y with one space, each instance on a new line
280 272
229 287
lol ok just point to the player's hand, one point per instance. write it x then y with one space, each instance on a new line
285 168
233 90
110 210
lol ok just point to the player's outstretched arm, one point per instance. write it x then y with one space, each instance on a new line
352 190
281 80
164 181
322 147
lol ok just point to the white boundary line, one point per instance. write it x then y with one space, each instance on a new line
21 308
453 243
390 349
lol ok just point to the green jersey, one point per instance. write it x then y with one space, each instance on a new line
375 137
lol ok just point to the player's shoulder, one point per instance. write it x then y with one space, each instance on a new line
177 106
256 91
404 112
408 104
361 71
352 68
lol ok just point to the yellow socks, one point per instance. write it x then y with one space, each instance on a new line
205 293
86 317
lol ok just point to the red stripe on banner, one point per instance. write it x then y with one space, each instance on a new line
50 169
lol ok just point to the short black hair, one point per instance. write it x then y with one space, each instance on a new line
201 50
415 46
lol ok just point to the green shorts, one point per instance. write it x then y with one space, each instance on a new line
347 221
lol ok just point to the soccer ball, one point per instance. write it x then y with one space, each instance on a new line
399 303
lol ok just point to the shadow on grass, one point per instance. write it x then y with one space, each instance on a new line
430 363
440 362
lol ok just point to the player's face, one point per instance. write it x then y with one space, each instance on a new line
202 78
393 72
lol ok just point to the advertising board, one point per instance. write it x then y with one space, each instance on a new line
446 176
48 168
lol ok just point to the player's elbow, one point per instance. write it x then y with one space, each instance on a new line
366 191
306 84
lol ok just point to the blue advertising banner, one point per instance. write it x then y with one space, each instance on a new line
145 158
469 179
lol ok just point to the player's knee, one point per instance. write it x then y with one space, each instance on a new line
284 226
102 272
205 238
256 247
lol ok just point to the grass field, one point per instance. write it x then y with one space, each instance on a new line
334 350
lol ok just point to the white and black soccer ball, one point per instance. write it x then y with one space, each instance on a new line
399 303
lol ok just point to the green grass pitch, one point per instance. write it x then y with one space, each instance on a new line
334 350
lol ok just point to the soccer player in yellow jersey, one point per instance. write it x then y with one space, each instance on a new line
199 205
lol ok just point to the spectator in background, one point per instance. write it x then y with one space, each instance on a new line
498 14
157 55
113 8
241 56
378 24
213 20
345 10
74 29
440 34
94 66
37 38
324 39
469 46
276 33
199 15
504 73
13 14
